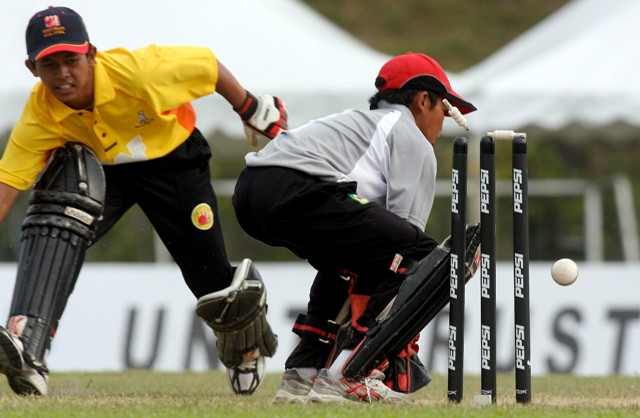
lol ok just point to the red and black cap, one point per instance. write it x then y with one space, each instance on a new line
419 72
56 29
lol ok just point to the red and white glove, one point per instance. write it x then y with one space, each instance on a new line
265 115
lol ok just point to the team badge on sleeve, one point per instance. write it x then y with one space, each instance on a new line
202 216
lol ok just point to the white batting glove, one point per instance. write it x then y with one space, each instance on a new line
265 115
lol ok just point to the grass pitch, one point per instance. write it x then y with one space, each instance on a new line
152 394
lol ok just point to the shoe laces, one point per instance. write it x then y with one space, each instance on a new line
374 375
366 385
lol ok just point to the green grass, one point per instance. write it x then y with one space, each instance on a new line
151 394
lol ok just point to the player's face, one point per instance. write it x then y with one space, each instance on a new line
68 76
429 119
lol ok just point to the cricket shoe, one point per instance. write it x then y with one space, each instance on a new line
23 379
294 387
247 377
370 389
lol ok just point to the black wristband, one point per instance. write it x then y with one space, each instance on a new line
248 106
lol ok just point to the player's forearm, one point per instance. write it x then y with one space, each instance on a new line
8 196
230 88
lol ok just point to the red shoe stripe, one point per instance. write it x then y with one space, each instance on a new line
360 390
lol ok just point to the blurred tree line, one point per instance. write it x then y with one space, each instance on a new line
459 33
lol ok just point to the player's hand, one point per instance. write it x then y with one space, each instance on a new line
265 115
471 265
472 262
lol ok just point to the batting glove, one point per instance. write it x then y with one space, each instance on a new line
265 115
472 261
472 264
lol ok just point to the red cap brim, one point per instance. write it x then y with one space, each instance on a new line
458 101
78 49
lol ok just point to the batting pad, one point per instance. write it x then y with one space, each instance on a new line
64 209
423 294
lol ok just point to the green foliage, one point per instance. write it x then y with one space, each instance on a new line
131 239
458 33
556 224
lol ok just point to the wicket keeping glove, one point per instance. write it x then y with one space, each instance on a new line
265 115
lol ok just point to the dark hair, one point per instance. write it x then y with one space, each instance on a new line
402 97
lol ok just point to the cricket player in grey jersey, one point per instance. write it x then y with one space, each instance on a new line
351 193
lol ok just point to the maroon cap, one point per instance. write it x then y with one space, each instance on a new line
56 29
420 72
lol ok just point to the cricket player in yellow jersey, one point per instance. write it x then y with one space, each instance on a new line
103 131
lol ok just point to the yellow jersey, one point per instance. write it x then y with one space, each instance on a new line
141 111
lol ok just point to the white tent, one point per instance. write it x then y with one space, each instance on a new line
279 47
577 67
574 72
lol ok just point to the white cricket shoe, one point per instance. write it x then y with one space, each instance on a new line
294 387
23 379
370 389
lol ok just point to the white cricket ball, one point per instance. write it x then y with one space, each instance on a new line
564 271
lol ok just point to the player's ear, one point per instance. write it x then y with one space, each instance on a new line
31 66
91 54
425 101
421 101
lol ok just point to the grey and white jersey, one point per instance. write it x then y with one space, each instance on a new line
382 150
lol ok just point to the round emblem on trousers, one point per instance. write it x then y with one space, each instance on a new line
202 216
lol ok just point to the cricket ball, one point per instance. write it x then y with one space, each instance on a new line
564 271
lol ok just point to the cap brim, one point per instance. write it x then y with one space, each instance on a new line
462 104
78 49
431 83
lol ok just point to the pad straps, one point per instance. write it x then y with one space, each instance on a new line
325 330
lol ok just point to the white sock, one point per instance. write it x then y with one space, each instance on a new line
335 371
307 372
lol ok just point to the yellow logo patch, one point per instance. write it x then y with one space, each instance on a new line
202 216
